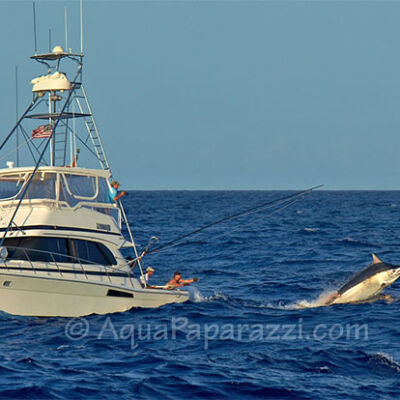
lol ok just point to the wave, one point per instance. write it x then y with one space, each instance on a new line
27 392
326 295
197 297
354 242
311 230
382 360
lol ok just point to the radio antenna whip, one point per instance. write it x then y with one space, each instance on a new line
16 113
66 28
34 27
81 16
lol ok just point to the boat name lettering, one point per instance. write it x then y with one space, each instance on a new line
104 227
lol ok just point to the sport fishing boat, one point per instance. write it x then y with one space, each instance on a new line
61 234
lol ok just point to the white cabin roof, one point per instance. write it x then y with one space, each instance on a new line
66 170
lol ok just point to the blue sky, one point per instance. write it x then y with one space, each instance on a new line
228 95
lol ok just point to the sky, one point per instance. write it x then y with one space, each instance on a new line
231 95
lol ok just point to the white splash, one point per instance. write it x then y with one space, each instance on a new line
319 302
197 297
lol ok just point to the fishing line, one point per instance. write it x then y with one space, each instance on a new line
15 150
258 219
242 226
254 209
234 229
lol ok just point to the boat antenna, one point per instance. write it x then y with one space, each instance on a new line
49 40
72 133
81 19
34 27
16 113
66 28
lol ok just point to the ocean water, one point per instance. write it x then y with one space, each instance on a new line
242 334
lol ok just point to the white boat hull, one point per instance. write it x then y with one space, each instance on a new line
47 297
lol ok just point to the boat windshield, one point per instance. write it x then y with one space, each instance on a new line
67 189
73 188
43 186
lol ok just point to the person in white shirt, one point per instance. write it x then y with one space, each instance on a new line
144 279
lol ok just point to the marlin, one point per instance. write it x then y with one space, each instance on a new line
367 284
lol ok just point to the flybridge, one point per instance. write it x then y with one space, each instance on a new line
60 188
56 183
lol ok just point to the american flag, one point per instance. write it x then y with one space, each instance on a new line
42 131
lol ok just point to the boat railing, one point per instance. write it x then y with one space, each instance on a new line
68 263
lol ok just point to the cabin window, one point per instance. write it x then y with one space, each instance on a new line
65 196
104 191
10 185
81 186
37 249
77 188
94 252
42 186
50 249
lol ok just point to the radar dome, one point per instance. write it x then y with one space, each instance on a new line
58 50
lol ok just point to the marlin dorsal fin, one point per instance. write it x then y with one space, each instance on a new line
376 259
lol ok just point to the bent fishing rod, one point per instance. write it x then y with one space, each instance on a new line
282 200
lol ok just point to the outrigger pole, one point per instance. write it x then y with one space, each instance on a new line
138 258
19 121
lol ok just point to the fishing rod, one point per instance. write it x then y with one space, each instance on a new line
257 208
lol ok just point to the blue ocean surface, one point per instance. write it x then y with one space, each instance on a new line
242 334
